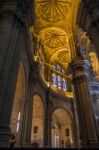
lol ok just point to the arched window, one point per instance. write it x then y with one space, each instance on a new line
57 80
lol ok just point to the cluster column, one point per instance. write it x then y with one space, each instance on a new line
84 106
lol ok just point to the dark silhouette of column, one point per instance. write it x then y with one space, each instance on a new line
12 35
47 133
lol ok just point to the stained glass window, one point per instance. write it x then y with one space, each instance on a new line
58 80
58 68
63 71
54 79
63 84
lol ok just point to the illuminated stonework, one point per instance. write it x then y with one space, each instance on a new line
53 10
64 56
54 24
56 45
54 37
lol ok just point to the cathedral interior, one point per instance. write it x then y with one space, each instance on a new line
49 73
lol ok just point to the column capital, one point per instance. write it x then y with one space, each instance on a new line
80 69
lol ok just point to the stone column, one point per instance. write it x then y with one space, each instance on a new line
9 63
75 130
28 108
10 49
47 123
84 106
27 119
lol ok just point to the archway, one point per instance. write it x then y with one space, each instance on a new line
37 131
16 118
61 129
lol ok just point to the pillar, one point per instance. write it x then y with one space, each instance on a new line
28 107
47 123
11 35
27 119
84 106
75 127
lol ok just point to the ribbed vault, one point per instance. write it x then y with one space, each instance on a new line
55 23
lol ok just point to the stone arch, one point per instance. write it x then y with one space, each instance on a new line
65 109
42 98
61 126
37 130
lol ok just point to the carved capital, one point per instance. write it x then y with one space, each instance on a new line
80 69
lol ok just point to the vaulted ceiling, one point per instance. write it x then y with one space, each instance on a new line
55 24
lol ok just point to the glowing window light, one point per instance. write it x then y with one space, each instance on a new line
19 116
54 80
59 82
63 84
17 127
58 68
18 122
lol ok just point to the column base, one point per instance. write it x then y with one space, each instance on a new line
90 145
5 136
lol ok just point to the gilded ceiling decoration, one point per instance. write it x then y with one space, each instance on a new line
64 56
54 37
56 45
53 10
54 22
56 13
